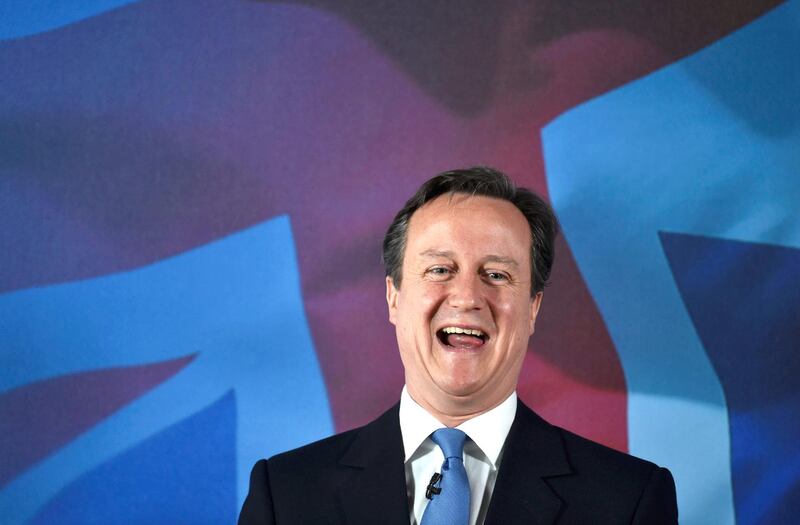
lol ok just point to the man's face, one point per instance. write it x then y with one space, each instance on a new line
466 268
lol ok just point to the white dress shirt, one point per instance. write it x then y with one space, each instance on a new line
482 453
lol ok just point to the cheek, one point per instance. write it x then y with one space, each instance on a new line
429 300
505 309
418 310
515 314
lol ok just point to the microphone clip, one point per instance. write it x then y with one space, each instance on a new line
432 489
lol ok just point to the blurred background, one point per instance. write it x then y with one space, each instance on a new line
193 196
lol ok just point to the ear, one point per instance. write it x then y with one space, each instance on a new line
536 302
391 300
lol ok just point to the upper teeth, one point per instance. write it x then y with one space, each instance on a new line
457 330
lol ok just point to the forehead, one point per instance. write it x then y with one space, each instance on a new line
469 222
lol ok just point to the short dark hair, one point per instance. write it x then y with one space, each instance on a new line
488 182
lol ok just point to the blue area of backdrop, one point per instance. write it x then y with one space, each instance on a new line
193 196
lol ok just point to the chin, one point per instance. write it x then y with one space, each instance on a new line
464 387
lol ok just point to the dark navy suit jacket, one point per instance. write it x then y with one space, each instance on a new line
548 475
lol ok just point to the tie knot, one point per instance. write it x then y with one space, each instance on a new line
451 441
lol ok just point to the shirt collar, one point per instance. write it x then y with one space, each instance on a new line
488 430
416 424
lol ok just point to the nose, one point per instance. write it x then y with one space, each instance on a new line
465 292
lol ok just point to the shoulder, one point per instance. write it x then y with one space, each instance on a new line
280 483
319 455
589 475
583 453
279 486
575 453
325 464
617 483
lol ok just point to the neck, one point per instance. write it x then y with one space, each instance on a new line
452 411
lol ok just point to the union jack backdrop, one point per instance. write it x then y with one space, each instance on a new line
193 195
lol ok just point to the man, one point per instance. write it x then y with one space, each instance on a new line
466 261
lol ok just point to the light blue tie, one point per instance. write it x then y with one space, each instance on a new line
449 504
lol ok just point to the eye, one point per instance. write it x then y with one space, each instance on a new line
438 273
496 277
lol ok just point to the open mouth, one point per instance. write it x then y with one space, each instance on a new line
461 338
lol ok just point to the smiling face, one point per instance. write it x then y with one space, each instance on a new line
464 313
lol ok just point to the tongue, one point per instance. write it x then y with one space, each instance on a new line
464 341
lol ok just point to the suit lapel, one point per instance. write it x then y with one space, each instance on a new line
373 487
533 452
373 484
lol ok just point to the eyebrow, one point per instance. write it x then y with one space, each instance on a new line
436 253
450 255
500 259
